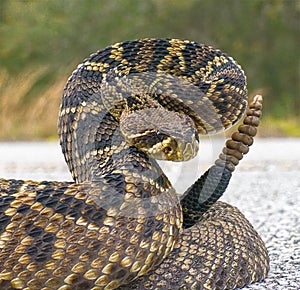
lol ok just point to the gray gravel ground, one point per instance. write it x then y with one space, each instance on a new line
265 187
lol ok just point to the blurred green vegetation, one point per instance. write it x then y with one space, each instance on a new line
41 42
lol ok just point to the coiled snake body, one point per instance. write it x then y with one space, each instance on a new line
121 219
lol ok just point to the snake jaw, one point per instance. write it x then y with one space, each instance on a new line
162 146
170 148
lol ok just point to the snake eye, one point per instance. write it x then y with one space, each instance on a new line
167 149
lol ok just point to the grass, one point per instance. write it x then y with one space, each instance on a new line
34 120
29 110
273 127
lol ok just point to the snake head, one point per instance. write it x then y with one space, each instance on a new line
161 134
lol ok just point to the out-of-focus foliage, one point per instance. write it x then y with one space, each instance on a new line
42 41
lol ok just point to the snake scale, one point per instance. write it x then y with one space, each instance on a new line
121 223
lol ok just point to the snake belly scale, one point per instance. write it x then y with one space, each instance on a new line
122 217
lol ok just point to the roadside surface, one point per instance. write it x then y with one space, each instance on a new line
265 187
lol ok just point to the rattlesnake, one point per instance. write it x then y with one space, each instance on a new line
122 107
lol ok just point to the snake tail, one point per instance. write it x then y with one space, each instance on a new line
213 183
240 141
